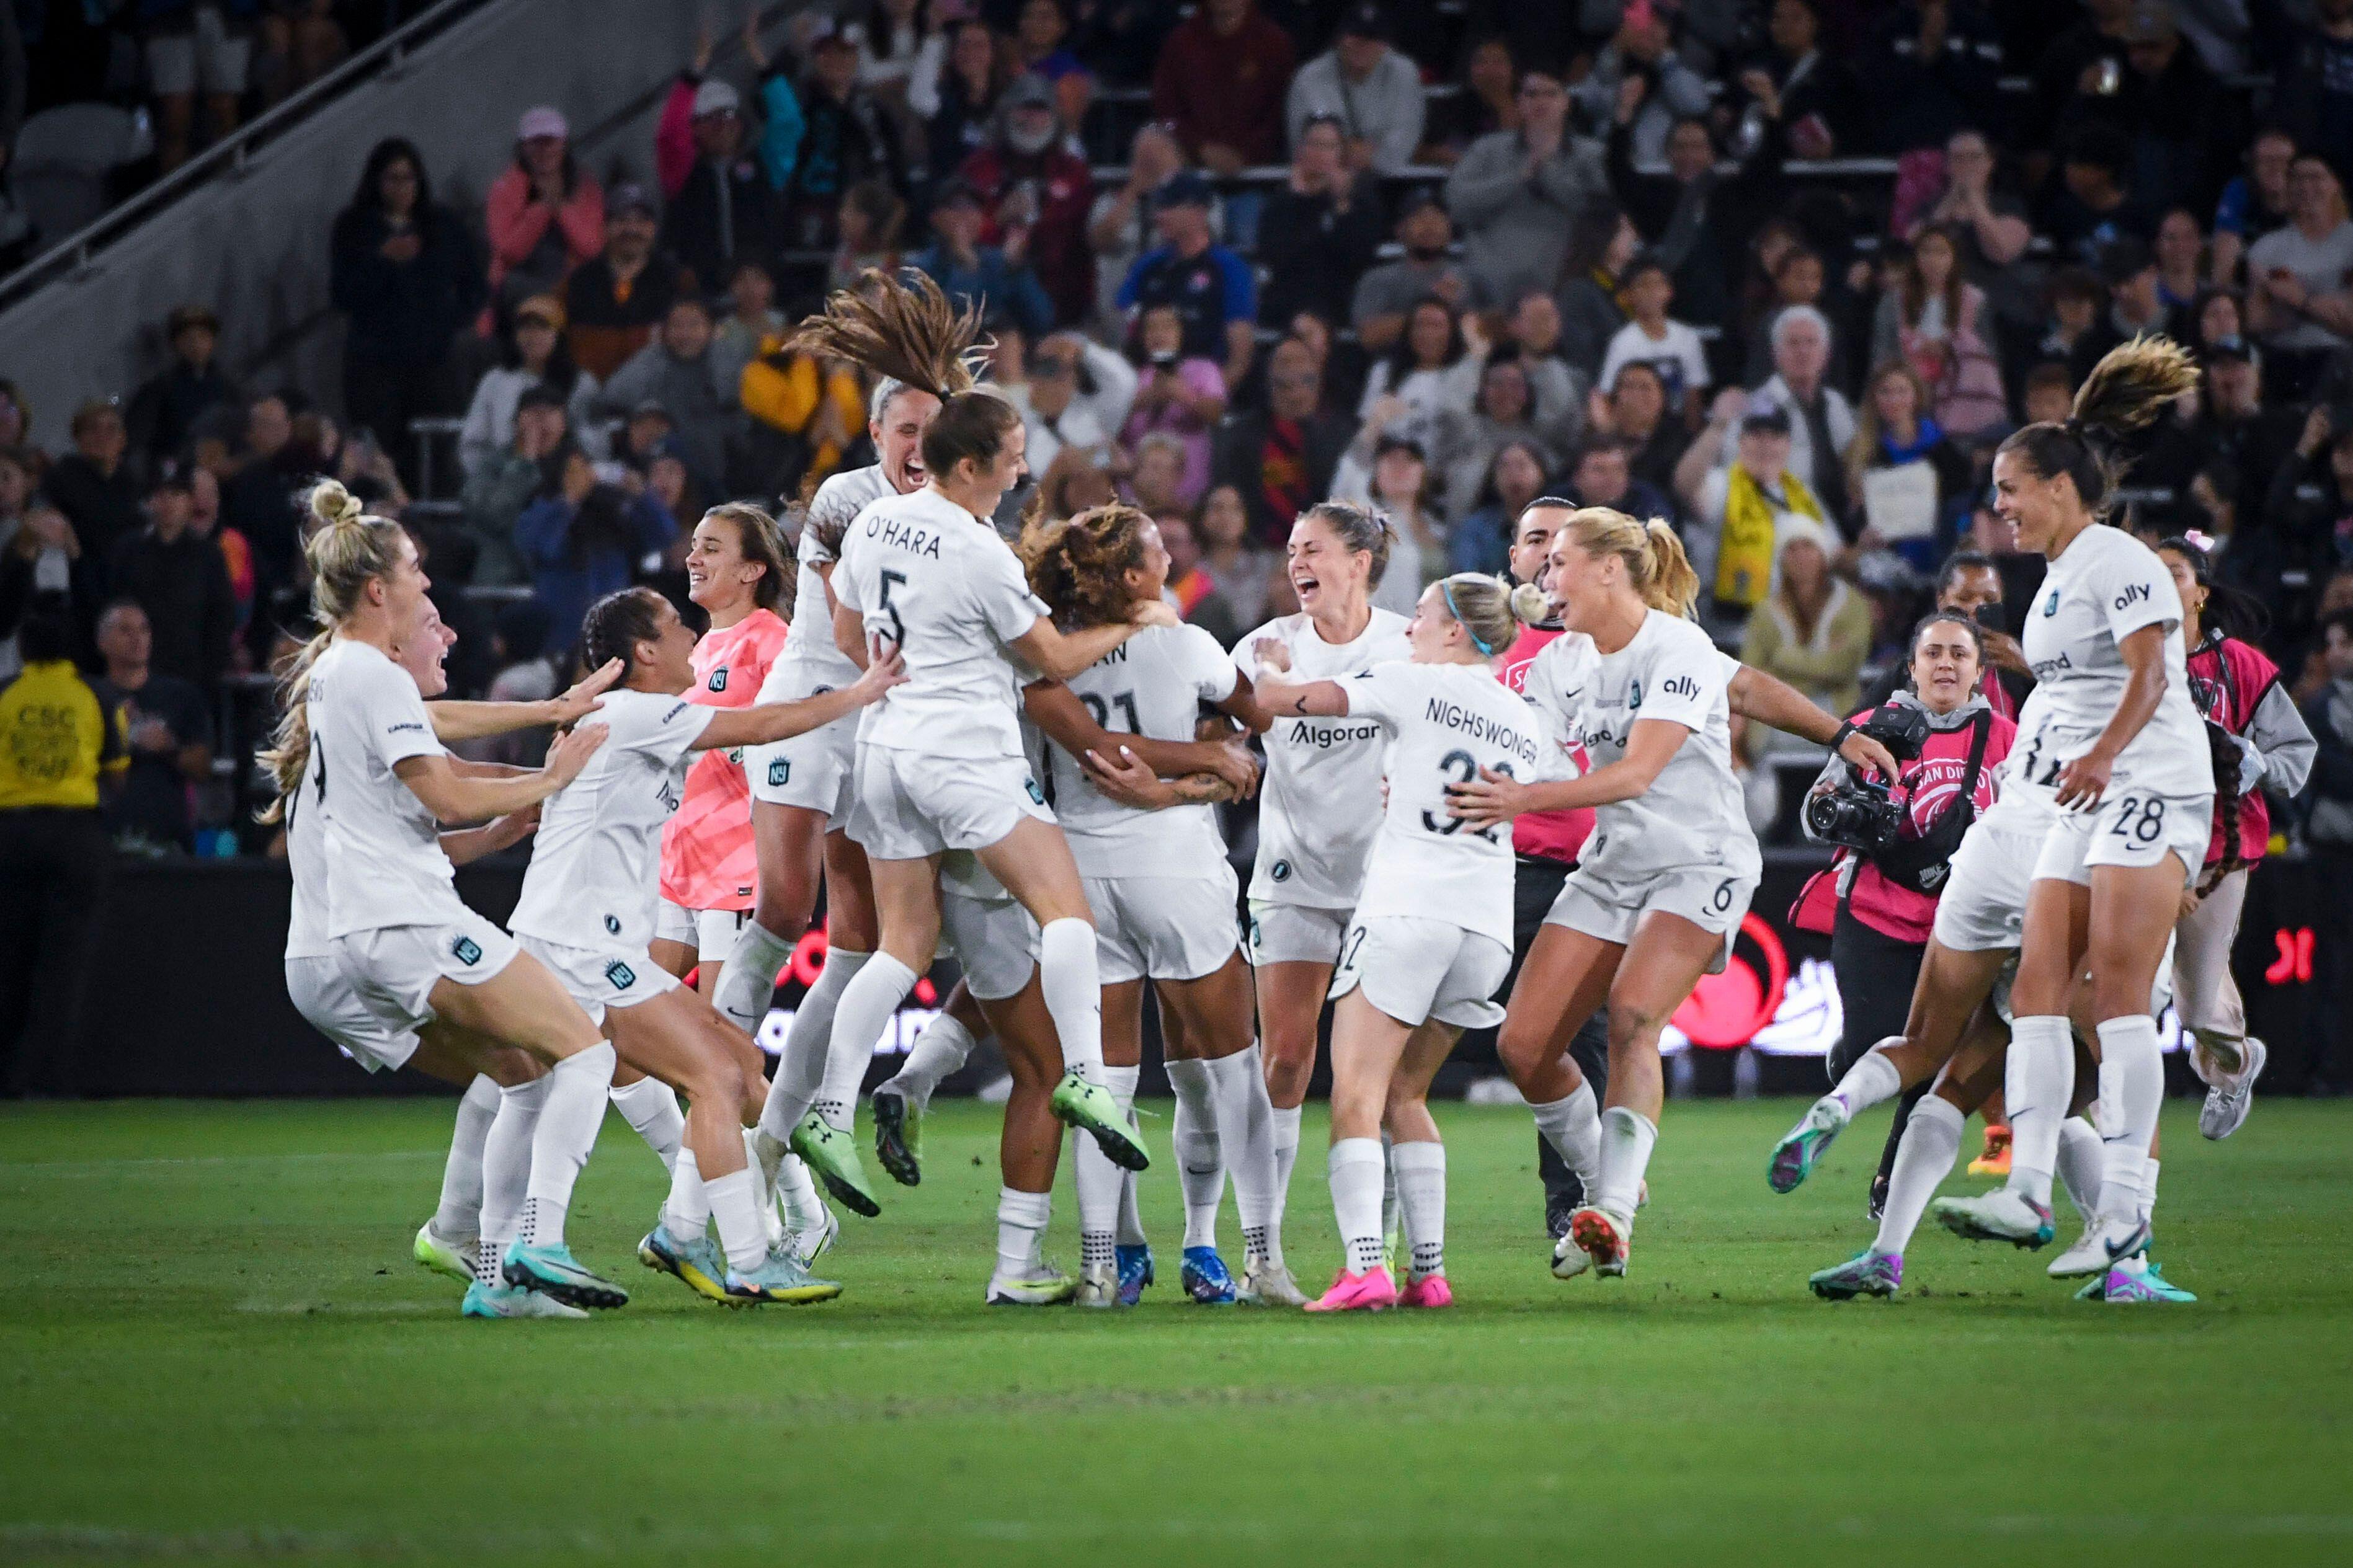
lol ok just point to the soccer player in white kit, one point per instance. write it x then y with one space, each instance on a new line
1317 817
1664 882
2126 753
587 912
1430 937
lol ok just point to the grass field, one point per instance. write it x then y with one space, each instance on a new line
215 1349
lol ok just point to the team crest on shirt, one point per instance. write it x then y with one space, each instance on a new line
620 975
780 772
1633 694
2050 605
467 951
1036 795
1279 870
612 925
719 679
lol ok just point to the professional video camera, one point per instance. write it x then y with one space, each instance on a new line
1862 813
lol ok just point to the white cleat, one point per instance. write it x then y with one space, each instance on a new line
2002 1215
2228 1099
1098 1286
1042 1286
512 1301
1270 1285
1568 1260
805 1246
453 1256
2086 1257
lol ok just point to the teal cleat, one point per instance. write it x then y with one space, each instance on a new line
1867 1273
1802 1148
779 1278
446 1255
832 1153
2127 1285
1091 1107
1204 1278
511 1301
1134 1273
698 1265
553 1272
899 1136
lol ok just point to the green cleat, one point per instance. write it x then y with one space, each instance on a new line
553 1272
1091 1107
777 1278
446 1255
1042 1285
832 1153
698 1265
899 1136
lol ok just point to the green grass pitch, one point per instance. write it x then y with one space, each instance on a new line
214 1349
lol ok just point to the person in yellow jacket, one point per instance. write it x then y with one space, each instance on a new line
804 413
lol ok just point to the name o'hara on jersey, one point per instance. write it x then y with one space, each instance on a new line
912 537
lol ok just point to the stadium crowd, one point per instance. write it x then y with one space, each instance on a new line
1782 273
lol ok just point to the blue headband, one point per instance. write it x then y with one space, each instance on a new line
1446 586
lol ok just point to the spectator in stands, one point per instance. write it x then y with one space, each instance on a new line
1909 481
1604 476
2074 298
678 371
2235 424
533 354
1121 40
1930 69
803 415
1075 393
1212 289
1320 231
996 279
1811 94
1821 421
163 723
497 490
167 408
405 274
725 204
1157 474
867 233
545 215
181 582
1797 278
848 137
1033 186
1811 631
2129 268
1936 323
1642 46
1401 492
958 100
1482 103
1696 219
1635 411
1199 598
204 521
1532 334
1410 387
2257 202
2181 253
195 45
1120 225
2186 130
94 487
752 319
1988 222
2093 204
1281 460
1738 510
2328 828
2312 94
2085 61
1651 337
38 555
1370 93
2297 299
1075 480
1514 193
583 537
1602 246
1242 574
1503 412
1219 83
259 500
1386 294
15 421
613 303
1513 478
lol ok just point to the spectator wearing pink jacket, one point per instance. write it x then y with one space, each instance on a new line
545 215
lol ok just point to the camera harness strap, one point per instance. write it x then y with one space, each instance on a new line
1908 862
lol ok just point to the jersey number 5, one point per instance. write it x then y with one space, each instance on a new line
898 632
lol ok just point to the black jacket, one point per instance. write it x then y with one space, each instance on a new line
103 508
404 312
1314 255
725 213
1238 458
184 586
166 409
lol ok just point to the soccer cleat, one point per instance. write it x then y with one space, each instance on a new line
1091 1107
1875 1206
1042 1285
2092 1255
778 1277
1867 1273
1568 1260
2127 1285
1804 1146
511 1301
1995 1159
899 1135
1099 1286
698 1265
444 1254
2228 1101
2000 1215
1605 1239
1204 1277
1557 1208
1373 1291
553 1272
1430 1290
832 1153
1135 1265
807 1245
1270 1285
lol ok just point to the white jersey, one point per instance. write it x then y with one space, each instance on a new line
1150 685
810 662
1321 804
2026 798
597 858
2102 588
384 863
306 859
942 585
1447 722
1692 815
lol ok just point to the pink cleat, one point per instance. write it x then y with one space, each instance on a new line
1371 1291
1430 1290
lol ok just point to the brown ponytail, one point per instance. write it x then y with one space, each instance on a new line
2132 384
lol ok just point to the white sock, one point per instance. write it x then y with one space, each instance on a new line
651 1107
1869 1081
1627 1137
2148 1192
1022 1220
1098 1182
939 1051
793 1184
808 1043
506 1173
576 1087
764 1196
2037 1083
1389 1222
738 1214
1572 1125
1200 1161
459 1212
1924 1158
2132 1090
1422 1192
1246 1144
686 1214
845 1064
1286 1153
1073 987
1128 1230
1355 1166
749 981
2079 1166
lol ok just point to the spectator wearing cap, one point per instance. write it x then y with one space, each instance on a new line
544 214
407 276
532 355
613 303
1319 232
1370 92
2235 424
166 408
724 204
1738 510
583 537
1642 46
2313 91
2297 300
1212 289
993 280
1220 82
1428 268
680 143
1515 192
181 581
1281 458
507 480
1075 394
678 373
848 136
1030 185
94 487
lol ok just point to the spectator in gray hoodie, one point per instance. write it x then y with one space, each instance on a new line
679 371
1373 92
1515 193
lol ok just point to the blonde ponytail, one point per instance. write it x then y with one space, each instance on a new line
1668 580
288 751
1529 604
1485 607
351 548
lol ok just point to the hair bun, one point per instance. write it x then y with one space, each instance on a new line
1529 603
331 503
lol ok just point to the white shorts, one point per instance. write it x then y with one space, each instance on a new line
202 50
910 806
1162 928
2160 991
1416 970
817 771
712 933
1711 896
1294 933
395 968
1982 905
601 979
332 1005
2128 828
995 943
